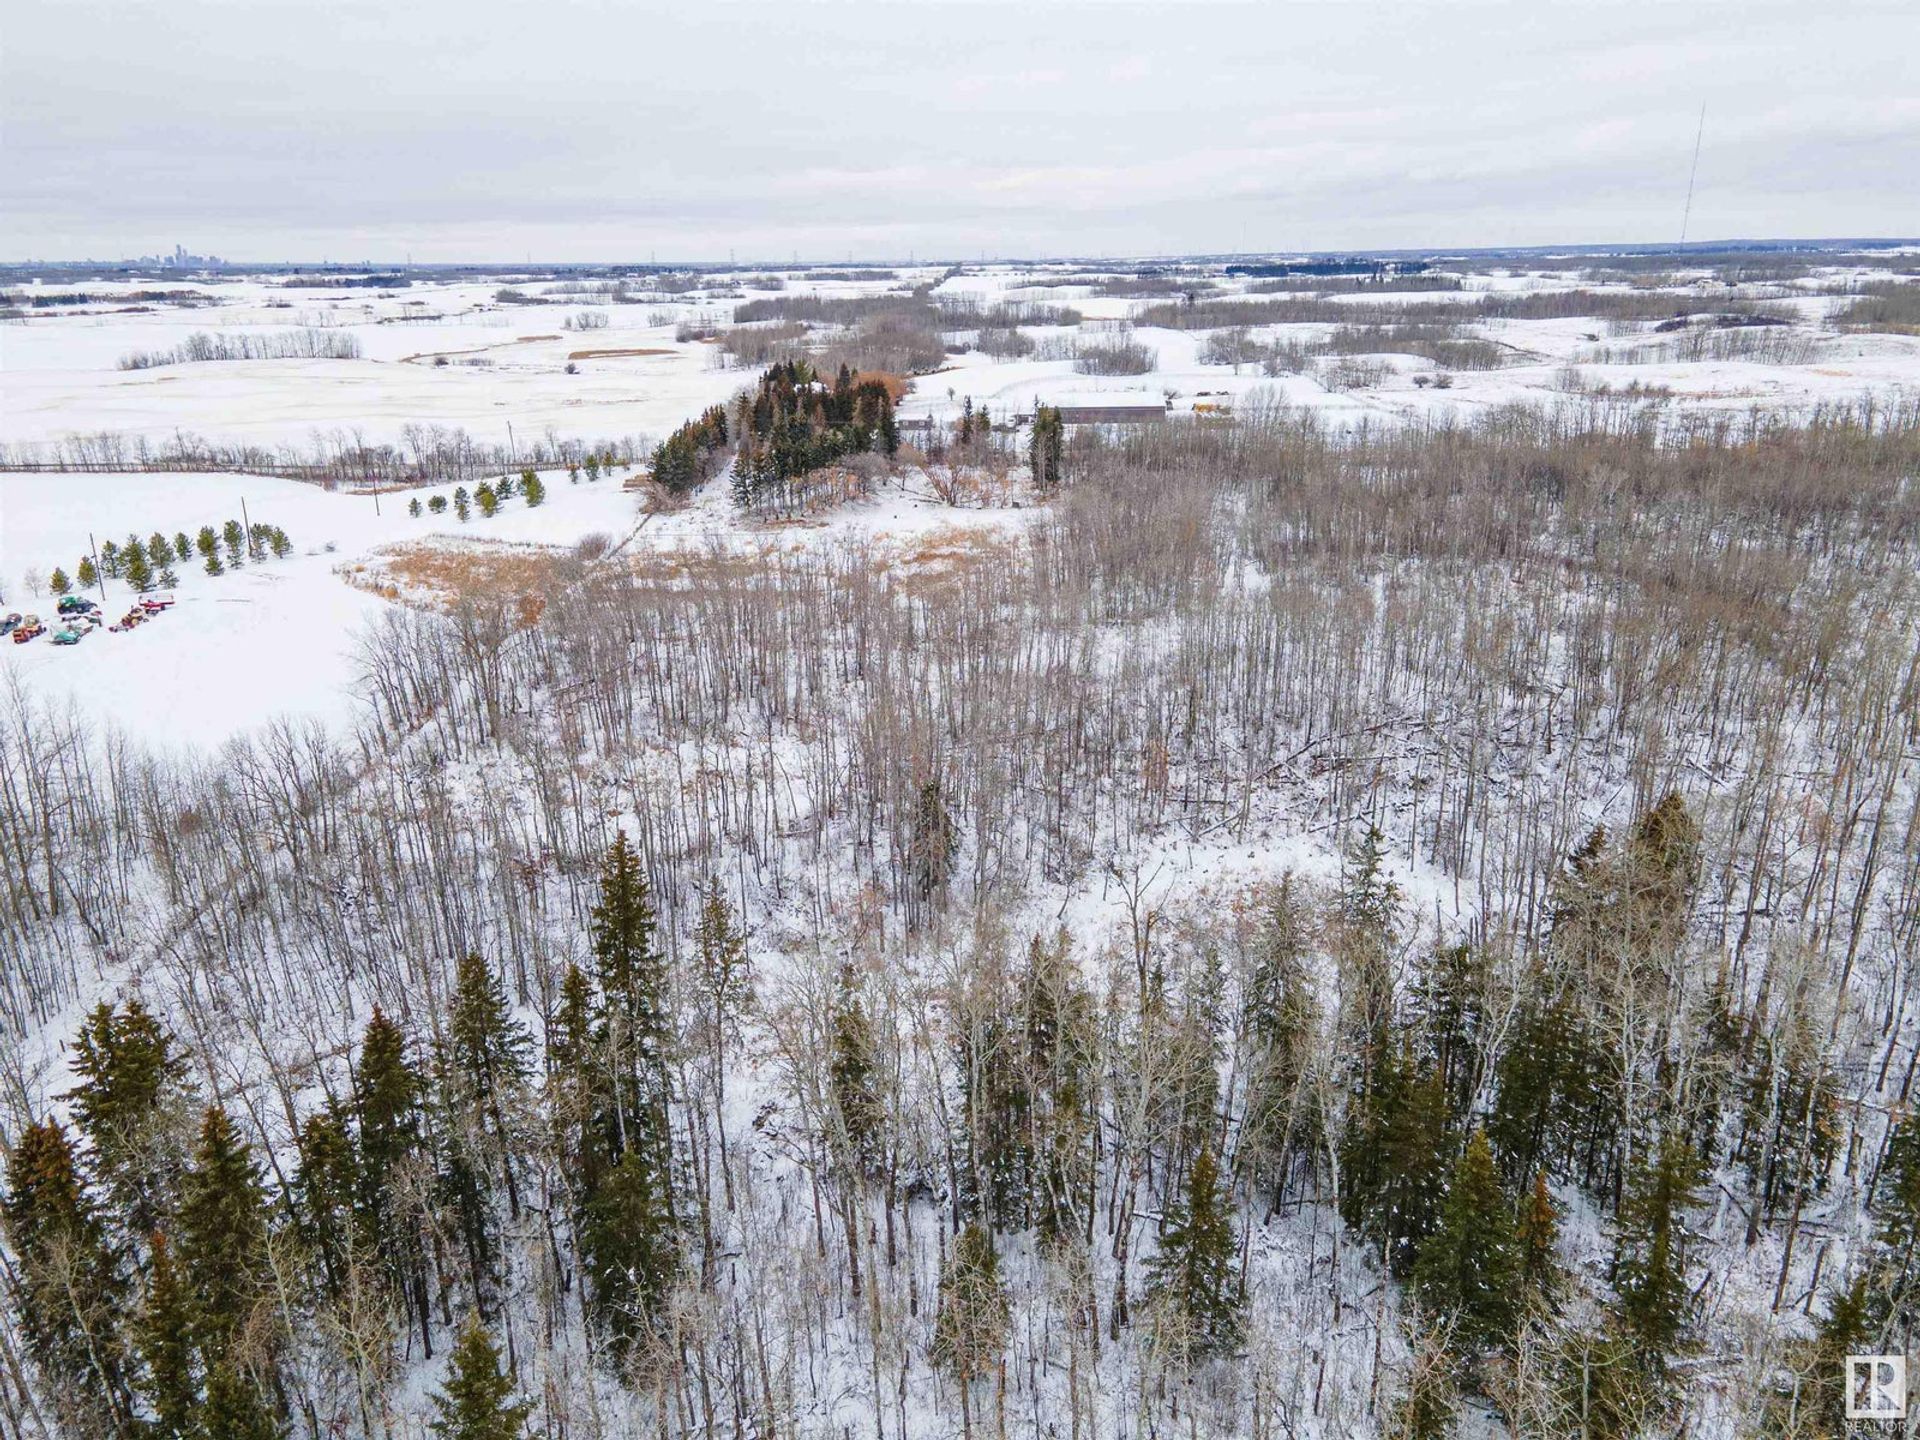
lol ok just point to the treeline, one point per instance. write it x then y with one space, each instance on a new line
901 333
950 312
145 564
43 300
1890 306
309 344
425 455
1625 306
489 496
688 456
1445 345
794 423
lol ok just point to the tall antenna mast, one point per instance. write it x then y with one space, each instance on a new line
1687 214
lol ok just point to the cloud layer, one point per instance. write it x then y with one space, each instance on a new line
573 130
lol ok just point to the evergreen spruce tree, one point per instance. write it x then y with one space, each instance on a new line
630 1253
1653 1305
159 549
970 1329
1468 1266
182 547
1527 1126
486 1059
1448 1006
1058 1021
488 502
388 1092
1192 1280
414 507
482 1066
1045 447
1281 1021
169 1382
235 1408
59 582
995 1103
1366 937
1896 1208
1395 1158
579 1099
133 1107
723 974
65 1287
139 573
85 574
1662 869
326 1193
850 1074
722 969
222 1233
534 489
633 1027
236 539
476 1400
1371 898
110 559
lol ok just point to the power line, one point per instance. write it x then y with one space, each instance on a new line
1698 135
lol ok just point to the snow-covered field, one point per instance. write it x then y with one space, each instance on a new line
275 639
505 365
279 639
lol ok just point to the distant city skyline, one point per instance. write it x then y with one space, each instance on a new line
181 259
474 133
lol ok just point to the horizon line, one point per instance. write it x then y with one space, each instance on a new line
791 262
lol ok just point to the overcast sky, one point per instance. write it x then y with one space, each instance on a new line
490 129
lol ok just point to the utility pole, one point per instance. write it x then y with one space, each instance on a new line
248 522
99 575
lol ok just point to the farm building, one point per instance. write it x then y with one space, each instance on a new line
1126 409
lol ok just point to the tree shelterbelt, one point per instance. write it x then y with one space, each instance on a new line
795 422
1365 935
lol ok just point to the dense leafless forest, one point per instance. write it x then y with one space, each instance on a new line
1399 932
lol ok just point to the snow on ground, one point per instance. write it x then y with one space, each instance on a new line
278 639
504 365
274 639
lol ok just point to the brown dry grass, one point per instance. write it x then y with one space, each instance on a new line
897 385
442 576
